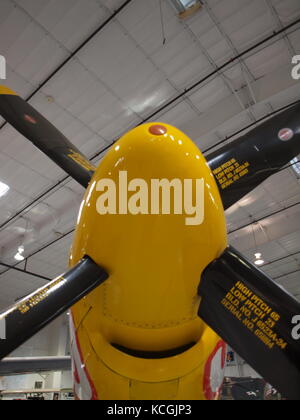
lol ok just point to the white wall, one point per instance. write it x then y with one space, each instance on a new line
239 368
244 371
52 341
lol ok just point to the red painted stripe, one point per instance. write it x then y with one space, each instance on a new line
209 394
94 391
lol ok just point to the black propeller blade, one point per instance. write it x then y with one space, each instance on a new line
245 163
24 118
28 316
254 315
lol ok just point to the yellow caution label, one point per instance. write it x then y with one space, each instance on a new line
231 172
254 314
38 297
78 158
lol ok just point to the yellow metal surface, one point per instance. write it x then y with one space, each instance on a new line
155 263
118 376
6 91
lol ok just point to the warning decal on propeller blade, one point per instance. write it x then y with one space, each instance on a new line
78 158
30 119
39 296
230 172
286 134
255 314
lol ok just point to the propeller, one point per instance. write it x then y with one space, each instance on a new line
242 165
254 315
245 307
31 124
29 315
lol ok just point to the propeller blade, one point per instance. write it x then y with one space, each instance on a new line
242 165
28 316
254 315
31 124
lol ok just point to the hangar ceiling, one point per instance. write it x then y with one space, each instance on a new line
96 71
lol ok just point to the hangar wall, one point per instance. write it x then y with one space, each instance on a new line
53 341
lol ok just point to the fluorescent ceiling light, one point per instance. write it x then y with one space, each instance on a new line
296 166
19 257
183 5
3 189
21 249
259 261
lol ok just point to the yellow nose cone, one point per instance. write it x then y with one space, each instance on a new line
164 224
